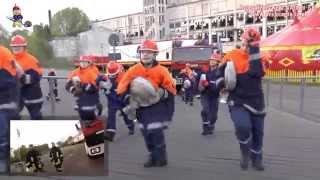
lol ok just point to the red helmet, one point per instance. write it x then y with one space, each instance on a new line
251 35
113 68
204 68
149 45
85 58
18 40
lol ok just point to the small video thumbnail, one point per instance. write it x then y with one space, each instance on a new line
56 148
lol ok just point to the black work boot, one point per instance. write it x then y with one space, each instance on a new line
258 165
150 162
131 131
206 131
245 156
244 161
109 136
161 163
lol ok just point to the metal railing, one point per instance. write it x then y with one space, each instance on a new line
296 95
292 92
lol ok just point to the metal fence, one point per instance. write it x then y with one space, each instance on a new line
296 95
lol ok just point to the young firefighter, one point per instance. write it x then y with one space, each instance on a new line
152 119
109 83
188 77
246 100
82 84
56 157
8 102
30 91
210 84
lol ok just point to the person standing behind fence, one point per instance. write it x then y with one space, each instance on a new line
52 73
246 99
30 91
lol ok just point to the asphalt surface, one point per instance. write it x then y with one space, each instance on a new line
75 162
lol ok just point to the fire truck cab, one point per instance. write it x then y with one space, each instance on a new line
196 55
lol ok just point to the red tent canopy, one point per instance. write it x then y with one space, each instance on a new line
297 46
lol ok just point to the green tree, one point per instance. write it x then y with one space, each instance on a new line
69 22
38 42
4 41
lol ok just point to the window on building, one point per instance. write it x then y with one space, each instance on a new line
270 18
222 21
191 28
178 24
230 35
249 19
230 20
171 25
270 30
258 19
239 33
206 26
260 30
198 26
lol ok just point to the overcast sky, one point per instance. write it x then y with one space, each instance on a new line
40 132
37 10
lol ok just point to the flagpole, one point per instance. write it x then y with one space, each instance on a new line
19 148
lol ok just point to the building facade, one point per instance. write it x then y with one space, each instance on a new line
91 42
215 20
131 26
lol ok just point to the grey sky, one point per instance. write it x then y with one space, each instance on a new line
40 132
37 10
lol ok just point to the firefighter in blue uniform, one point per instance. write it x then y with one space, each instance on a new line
8 102
210 84
152 119
82 84
30 91
246 99
109 84
188 76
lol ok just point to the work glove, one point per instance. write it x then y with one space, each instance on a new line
25 79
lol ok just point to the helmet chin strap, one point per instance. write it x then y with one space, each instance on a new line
147 64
